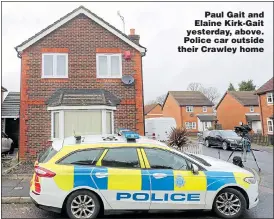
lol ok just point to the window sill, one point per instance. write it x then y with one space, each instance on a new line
109 77
54 77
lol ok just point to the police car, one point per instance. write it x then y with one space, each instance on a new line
86 175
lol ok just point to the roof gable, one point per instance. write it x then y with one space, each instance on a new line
150 107
245 98
268 86
191 98
71 15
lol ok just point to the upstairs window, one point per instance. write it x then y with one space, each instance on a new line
109 65
189 108
252 109
204 109
269 97
54 65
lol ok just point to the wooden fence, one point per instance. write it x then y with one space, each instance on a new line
261 139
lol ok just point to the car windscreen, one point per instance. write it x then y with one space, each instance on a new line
46 155
229 134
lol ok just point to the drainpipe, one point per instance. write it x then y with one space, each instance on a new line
261 114
19 55
142 55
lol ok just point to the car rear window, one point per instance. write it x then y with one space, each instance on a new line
47 155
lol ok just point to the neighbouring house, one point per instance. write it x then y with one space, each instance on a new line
3 90
10 116
72 81
153 111
266 104
191 109
237 107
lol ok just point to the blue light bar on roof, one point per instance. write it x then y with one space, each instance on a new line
129 135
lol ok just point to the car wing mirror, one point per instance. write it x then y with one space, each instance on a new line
194 169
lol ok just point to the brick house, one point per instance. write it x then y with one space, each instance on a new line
190 109
265 96
153 111
71 81
239 106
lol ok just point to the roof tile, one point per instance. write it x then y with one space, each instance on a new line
268 86
191 98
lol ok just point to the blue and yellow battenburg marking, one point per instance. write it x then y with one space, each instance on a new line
140 180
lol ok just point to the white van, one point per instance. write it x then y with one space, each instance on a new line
159 128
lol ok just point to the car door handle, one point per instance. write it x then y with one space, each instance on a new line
101 175
159 175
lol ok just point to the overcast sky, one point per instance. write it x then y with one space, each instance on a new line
162 27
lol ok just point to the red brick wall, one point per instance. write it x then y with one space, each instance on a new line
266 111
172 109
81 38
155 112
230 112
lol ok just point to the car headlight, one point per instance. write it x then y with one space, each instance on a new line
250 180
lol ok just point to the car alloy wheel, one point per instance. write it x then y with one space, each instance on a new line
228 204
82 206
225 146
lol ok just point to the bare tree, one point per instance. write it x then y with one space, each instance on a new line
161 99
211 93
194 86
151 102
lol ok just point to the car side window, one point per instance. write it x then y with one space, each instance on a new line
161 159
84 157
121 158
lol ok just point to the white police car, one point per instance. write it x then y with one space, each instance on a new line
90 174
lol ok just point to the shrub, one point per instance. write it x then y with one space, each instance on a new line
178 137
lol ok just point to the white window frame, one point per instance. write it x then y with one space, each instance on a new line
109 55
270 132
204 109
61 111
190 125
251 109
270 94
189 109
55 66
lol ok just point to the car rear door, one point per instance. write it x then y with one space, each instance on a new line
127 183
173 185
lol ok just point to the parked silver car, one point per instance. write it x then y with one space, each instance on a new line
7 143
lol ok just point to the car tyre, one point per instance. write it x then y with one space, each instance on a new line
238 202
207 143
225 146
85 202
